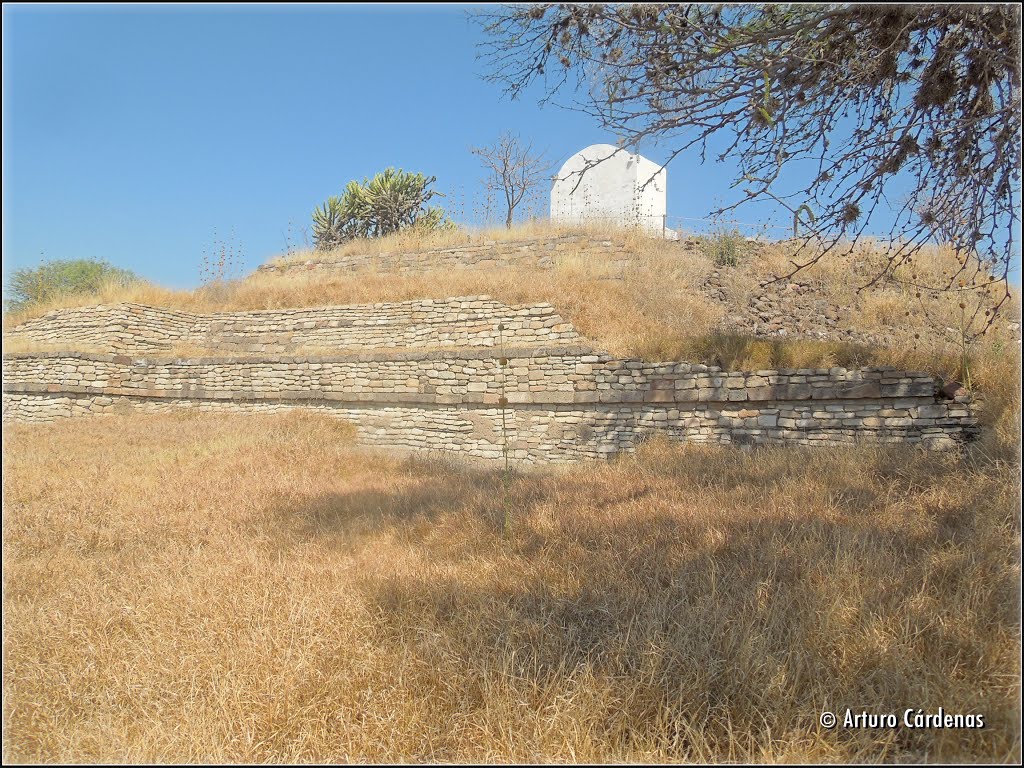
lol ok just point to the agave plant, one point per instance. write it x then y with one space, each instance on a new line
387 203
329 224
434 220
396 199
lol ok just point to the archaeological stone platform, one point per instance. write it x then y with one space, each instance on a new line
470 321
535 253
535 387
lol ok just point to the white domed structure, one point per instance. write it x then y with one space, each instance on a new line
603 183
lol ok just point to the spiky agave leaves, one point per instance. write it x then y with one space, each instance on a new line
387 203
396 199
338 219
434 220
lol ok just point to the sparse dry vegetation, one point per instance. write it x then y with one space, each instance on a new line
257 589
424 240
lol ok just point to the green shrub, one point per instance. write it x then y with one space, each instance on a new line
388 203
726 247
62 277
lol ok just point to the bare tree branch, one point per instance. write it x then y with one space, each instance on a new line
909 112
515 169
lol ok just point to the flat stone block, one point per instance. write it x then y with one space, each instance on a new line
761 393
556 397
857 389
659 396
793 392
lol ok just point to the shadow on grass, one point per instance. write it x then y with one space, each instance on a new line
617 595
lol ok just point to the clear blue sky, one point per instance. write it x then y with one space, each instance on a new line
132 133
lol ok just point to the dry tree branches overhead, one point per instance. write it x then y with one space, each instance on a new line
911 112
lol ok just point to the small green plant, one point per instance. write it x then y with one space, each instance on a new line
388 203
63 277
726 245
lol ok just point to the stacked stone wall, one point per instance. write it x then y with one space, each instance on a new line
456 382
537 252
470 321
560 403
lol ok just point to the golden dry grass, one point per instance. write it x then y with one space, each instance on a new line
415 240
249 589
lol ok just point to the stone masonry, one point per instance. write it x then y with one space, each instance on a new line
442 374
561 403
488 253
470 321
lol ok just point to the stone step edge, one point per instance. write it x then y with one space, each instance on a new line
463 353
456 353
605 397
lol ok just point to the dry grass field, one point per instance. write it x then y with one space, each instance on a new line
238 589
260 589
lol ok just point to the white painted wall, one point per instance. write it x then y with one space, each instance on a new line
612 190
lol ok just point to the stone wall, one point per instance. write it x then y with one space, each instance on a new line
560 403
454 380
470 321
536 252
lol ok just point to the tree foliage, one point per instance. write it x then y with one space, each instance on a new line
910 110
62 277
515 168
389 202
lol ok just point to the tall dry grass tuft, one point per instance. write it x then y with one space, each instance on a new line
111 292
254 589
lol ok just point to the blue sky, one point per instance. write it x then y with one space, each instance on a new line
134 134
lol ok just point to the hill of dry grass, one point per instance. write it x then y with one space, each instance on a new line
249 589
242 589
